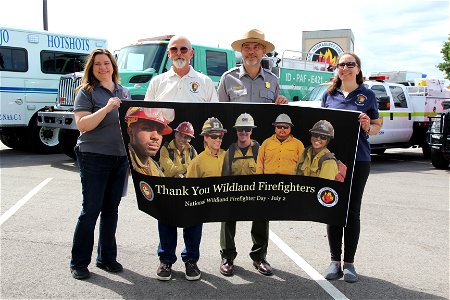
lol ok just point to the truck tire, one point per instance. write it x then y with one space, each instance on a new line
438 160
16 141
44 140
67 141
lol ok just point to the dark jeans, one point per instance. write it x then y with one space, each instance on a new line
351 231
168 243
102 181
260 238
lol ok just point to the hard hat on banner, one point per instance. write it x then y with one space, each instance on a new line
159 115
212 125
245 120
283 118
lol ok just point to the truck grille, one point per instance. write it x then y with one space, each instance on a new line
66 91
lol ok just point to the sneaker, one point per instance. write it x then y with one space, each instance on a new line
113 267
350 274
333 271
164 272
192 271
80 274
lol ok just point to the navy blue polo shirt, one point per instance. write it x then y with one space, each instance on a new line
362 99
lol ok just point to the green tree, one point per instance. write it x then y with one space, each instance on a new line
445 65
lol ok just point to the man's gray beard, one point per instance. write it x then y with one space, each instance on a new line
179 63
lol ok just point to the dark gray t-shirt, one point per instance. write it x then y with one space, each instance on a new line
106 138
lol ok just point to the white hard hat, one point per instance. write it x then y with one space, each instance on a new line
283 118
244 120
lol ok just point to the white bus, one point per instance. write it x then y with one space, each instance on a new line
31 63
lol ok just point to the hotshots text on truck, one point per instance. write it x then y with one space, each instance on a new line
141 61
31 64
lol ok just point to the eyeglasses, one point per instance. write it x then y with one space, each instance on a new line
174 50
282 127
242 129
319 136
215 137
350 65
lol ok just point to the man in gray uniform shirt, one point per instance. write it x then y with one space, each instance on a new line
250 82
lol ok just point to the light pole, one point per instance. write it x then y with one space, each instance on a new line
44 9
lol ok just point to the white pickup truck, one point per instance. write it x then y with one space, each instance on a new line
404 111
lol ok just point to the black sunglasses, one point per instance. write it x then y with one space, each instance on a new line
319 136
350 65
215 137
241 129
282 127
183 50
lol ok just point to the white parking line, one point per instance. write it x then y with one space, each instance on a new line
316 276
22 201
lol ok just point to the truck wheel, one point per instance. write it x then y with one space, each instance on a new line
14 141
44 140
426 150
68 140
438 160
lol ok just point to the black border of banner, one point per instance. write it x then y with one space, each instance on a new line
187 201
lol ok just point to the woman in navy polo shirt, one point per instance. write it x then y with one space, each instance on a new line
348 92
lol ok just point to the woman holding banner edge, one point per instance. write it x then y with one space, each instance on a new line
348 92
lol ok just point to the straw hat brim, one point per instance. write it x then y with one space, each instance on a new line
237 45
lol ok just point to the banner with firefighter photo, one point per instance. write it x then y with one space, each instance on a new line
211 162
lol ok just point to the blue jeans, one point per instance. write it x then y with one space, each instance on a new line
102 181
168 243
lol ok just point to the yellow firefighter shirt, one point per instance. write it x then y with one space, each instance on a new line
241 165
309 166
175 167
150 168
206 164
276 157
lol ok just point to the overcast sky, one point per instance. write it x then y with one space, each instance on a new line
393 35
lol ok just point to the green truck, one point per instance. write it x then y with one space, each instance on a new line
140 62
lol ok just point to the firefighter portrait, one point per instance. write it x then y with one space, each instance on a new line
280 153
314 160
175 157
208 163
146 127
240 159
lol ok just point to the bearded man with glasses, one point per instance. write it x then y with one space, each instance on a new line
181 83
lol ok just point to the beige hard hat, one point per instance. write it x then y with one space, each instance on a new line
245 120
323 127
283 118
212 125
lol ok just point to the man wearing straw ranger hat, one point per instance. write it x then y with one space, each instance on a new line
250 82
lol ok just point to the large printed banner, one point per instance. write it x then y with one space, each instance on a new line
187 201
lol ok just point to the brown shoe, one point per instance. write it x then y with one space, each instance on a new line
263 267
226 268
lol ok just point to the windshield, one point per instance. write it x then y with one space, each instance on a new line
143 57
316 94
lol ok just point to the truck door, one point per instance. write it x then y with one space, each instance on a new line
14 64
395 114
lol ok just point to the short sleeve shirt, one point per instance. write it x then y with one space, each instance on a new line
237 86
193 87
361 99
106 138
